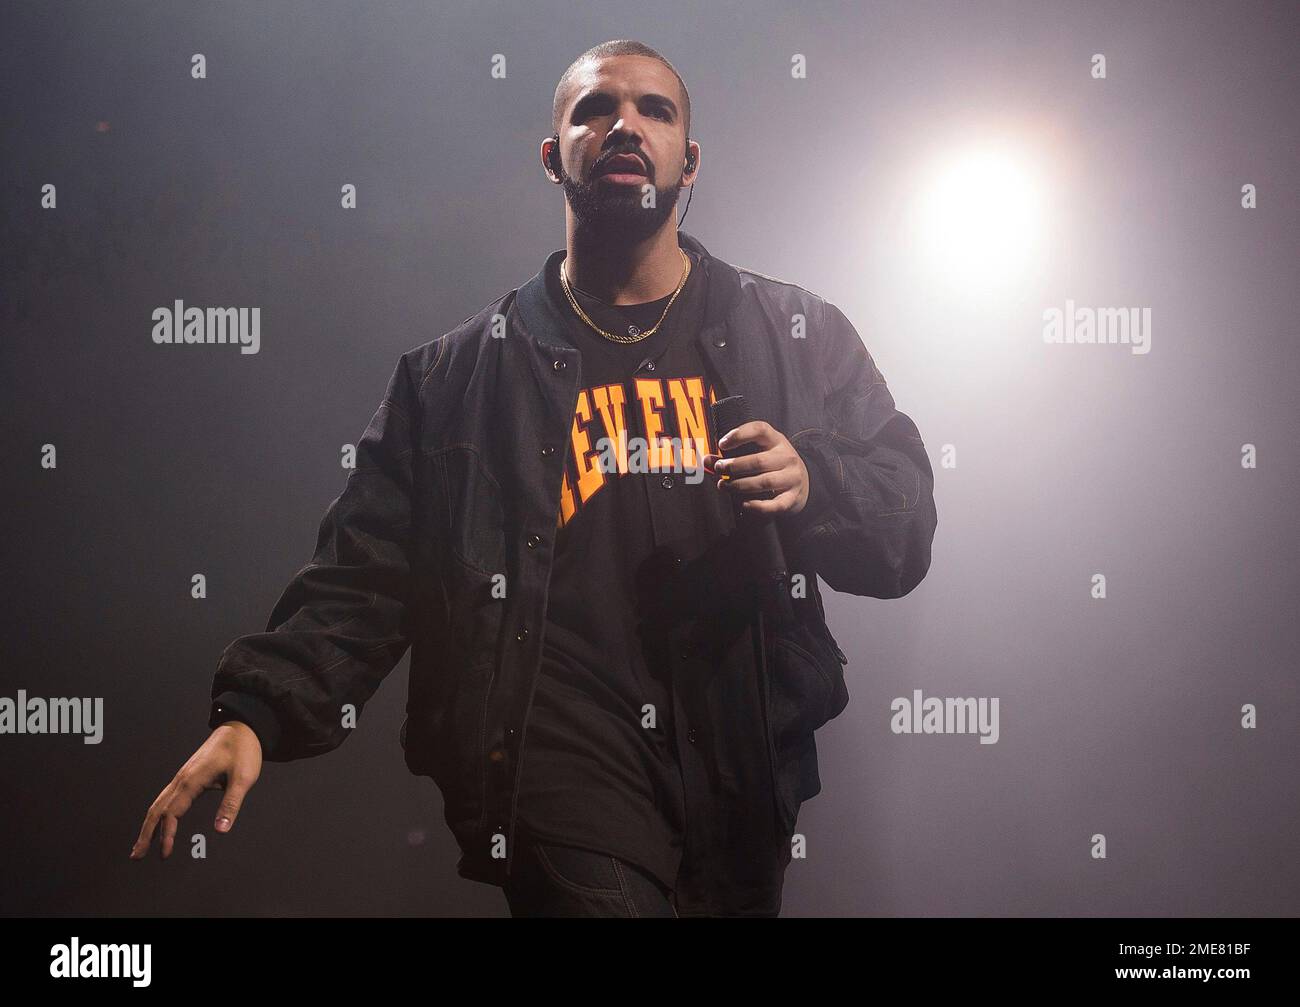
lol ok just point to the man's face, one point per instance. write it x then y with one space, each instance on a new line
623 105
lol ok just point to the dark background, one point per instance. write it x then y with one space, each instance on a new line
1118 717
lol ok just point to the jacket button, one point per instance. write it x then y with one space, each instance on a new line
534 541
666 482
719 342
549 449
690 735
522 635
649 365
559 365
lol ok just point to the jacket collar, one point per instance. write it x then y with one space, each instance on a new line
544 321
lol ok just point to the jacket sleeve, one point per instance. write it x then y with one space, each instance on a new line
341 625
870 517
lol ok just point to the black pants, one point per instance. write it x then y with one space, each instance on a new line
552 880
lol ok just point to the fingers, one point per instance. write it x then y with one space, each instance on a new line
770 481
170 823
772 456
167 811
763 495
184 790
157 813
779 504
759 431
141 846
770 460
175 800
763 475
765 485
230 804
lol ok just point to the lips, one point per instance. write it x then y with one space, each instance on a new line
623 164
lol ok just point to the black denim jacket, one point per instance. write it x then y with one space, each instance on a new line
441 542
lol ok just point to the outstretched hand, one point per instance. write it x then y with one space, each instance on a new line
230 760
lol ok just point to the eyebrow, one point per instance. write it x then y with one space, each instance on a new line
590 99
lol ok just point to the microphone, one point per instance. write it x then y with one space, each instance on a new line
766 556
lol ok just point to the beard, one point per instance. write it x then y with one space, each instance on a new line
612 213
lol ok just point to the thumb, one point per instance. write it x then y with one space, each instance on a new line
228 810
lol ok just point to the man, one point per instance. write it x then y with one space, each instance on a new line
616 723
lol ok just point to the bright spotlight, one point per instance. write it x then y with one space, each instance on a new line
980 219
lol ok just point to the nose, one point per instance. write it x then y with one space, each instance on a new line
625 127
625 134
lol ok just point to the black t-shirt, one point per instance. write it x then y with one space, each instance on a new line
599 764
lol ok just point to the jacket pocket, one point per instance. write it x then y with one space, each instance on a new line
444 740
806 689
465 511
807 683
796 780
826 630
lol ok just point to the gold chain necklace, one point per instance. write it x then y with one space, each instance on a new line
635 334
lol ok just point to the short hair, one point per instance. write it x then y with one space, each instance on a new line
615 47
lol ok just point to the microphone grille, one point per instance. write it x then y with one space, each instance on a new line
730 413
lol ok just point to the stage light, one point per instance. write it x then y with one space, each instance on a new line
979 219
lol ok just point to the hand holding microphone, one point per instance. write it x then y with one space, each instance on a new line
767 478
760 465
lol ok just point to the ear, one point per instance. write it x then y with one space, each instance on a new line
692 148
549 149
